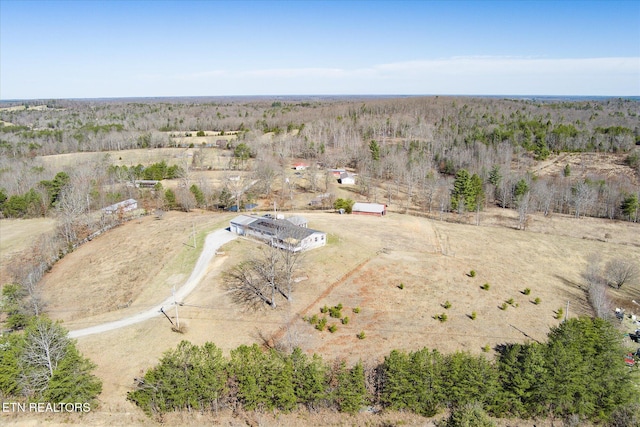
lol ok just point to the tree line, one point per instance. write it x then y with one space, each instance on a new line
579 372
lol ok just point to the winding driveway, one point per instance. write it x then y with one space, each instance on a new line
212 243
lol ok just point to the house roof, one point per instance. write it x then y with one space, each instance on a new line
297 220
368 207
282 229
243 220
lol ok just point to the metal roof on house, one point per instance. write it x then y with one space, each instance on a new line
282 229
368 207
243 220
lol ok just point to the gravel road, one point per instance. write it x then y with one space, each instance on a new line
212 243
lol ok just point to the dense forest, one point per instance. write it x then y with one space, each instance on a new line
411 146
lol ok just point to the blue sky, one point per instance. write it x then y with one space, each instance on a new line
90 49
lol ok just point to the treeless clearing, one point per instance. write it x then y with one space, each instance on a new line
583 165
144 156
366 260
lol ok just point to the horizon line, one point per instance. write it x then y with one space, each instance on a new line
158 97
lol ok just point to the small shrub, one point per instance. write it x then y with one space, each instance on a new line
510 301
321 324
447 305
356 310
526 291
442 317
537 301
339 306
473 315
345 320
486 348
559 313
401 286
485 286
472 273
324 309
314 319
335 312
333 328
361 335
504 306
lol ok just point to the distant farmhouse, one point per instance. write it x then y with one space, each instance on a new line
376 209
124 206
291 234
347 178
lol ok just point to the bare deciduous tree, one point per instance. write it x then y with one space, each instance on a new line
248 288
599 300
260 280
597 286
46 344
619 271
523 210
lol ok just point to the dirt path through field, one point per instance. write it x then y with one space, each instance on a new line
213 242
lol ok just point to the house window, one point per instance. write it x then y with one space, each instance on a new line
316 239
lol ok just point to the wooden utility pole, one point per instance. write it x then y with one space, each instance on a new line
176 304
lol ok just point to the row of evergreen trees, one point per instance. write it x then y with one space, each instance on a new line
578 372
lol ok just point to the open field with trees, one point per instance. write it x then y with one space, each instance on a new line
505 218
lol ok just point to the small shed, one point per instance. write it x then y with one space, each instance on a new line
376 209
300 166
347 178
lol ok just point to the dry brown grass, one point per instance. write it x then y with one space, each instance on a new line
366 260
16 237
